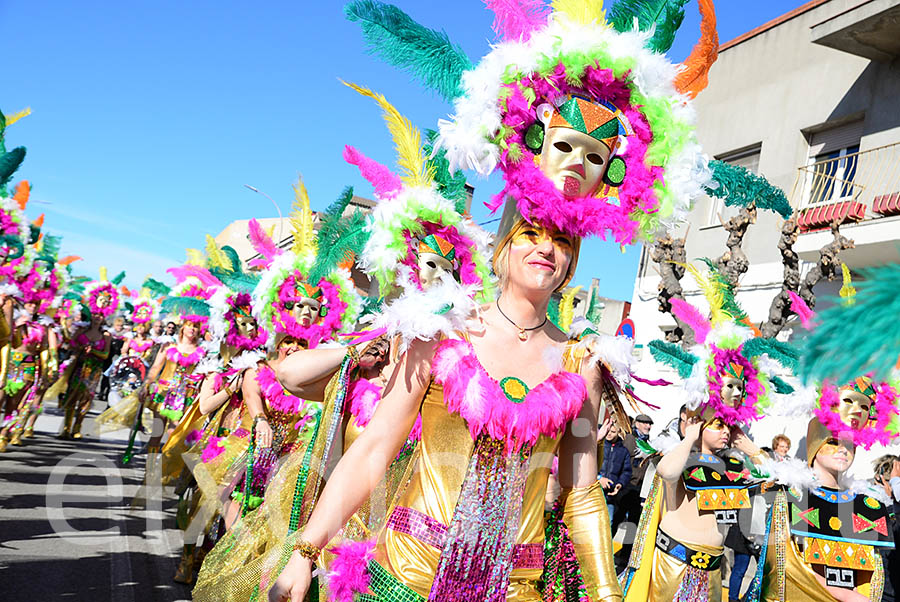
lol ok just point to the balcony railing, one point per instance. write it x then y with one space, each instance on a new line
851 187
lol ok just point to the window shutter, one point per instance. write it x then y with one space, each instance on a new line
836 138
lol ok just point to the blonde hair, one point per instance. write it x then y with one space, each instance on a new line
778 439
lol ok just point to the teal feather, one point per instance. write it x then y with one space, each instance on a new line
118 278
9 163
781 386
184 306
451 186
34 234
233 257
156 287
339 237
595 307
785 354
553 312
665 15
738 187
674 356
425 53
51 246
857 336
129 306
241 282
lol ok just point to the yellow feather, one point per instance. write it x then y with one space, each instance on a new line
567 308
217 259
11 119
407 141
848 291
102 273
715 296
195 257
271 232
302 221
581 11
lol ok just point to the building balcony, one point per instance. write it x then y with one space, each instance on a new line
870 29
859 190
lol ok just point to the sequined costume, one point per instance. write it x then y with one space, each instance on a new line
23 362
177 385
86 374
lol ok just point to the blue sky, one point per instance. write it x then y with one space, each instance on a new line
150 117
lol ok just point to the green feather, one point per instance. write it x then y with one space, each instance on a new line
665 15
51 246
129 306
34 233
9 163
184 306
674 356
156 287
781 386
425 53
785 354
553 311
233 257
117 280
339 237
730 303
595 308
241 282
739 187
450 186
857 336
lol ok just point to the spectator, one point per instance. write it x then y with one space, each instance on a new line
677 425
781 445
117 334
615 471
887 475
171 327
628 509
157 330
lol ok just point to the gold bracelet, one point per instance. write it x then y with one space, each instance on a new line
307 550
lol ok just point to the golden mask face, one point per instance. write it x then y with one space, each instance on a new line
535 234
306 311
717 424
854 409
431 268
573 161
103 299
246 326
732 390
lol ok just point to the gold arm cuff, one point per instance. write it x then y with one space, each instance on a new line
587 519
307 550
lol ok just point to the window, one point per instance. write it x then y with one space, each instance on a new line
747 158
832 164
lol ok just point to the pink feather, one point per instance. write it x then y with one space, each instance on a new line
184 272
517 19
799 307
387 184
347 574
262 244
692 317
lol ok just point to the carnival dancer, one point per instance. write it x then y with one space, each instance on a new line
171 385
92 348
128 373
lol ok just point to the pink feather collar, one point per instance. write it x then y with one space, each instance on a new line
486 404
185 361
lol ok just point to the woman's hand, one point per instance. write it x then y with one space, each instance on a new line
263 434
742 442
236 381
294 581
693 428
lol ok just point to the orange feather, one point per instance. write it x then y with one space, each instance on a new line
69 259
39 221
23 191
694 77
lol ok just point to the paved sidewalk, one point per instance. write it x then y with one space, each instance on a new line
67 528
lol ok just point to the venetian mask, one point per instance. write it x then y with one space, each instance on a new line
854 408
435 256
103 299
579 140
733 385
142 313
245 323
305 311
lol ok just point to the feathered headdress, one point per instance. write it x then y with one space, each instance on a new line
317 264
726 344
144 308
565 63
102 296
419 211
189 298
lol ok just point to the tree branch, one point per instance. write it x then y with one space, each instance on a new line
670 256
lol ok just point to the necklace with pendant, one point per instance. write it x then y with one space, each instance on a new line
523 332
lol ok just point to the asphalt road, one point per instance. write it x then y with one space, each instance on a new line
68 530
